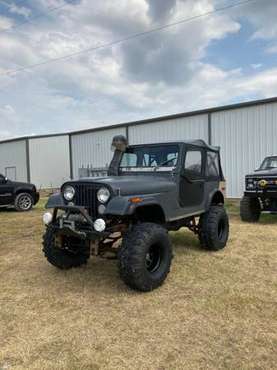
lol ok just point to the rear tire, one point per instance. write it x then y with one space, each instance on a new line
250 209
145 257
23 202
63 259
214 228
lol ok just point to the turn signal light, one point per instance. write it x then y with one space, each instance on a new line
135 200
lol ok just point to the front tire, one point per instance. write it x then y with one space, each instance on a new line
250 209
62 258
145 257
214 228
23 202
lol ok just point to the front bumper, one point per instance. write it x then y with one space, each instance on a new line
82 228
265 193
69 229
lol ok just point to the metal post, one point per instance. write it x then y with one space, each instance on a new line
28 161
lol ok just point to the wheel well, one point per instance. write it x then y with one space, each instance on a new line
21 191
150 213
217 198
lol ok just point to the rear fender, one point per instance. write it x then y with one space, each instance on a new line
215 197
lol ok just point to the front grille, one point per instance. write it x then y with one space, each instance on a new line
270 186
86 196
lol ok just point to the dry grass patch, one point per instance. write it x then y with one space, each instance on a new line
215 311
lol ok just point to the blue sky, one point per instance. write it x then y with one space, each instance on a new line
228 57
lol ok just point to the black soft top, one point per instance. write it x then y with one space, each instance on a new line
199 143
203 144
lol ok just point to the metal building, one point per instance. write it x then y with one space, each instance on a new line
92 149
170 129
13 159
246 133
49 160
42 160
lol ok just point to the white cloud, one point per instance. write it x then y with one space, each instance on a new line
262 15
272 49
256 65
9 121
149 76
5 23
20 10
265 83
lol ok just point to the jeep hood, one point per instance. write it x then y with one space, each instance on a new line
264 173
128 185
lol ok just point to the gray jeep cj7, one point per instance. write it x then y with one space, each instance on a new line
150 190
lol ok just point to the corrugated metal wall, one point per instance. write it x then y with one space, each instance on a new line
246 136
13 155
49 161
186 128
93 149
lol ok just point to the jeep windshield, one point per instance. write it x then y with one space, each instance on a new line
268 163
150 158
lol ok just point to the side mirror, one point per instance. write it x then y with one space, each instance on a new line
3 180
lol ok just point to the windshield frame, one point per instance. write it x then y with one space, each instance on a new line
152 169
262 167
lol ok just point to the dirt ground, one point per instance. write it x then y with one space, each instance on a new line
215 311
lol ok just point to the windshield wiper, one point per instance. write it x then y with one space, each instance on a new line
163 163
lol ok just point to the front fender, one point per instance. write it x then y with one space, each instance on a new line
122 206
55 200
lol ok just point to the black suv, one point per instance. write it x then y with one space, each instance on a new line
260 191
150 189
20 195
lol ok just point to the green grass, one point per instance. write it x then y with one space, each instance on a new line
41 204
232 206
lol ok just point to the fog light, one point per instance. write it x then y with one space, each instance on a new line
99 225
47 218
263 183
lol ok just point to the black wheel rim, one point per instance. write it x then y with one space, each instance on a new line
153 258
221 229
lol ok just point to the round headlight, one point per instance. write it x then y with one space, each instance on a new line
103 195
69 193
